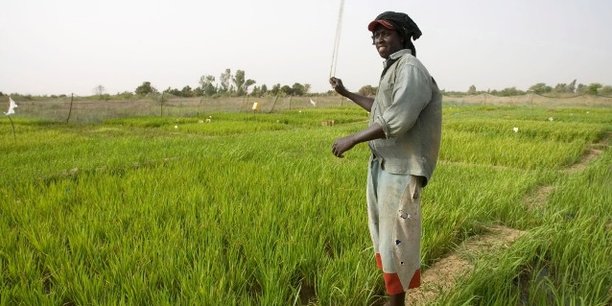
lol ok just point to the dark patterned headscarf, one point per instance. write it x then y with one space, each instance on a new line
402 24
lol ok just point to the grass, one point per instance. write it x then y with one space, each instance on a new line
253 209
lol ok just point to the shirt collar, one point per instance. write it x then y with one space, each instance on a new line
393 57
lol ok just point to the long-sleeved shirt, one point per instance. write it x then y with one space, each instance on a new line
408 107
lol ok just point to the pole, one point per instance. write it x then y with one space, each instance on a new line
13 126
70 110
161 105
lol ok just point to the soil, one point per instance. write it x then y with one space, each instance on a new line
443 275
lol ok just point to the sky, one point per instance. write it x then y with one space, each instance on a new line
73 46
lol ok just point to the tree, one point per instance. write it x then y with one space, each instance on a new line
307 88
288 91
224 79
198 92
239 81
367 90
247 84
572 86
206 83
99 90
186 91
560 88
264 89
510 91
256 91
471 90
125 95
145 89
540 88
275 89
593 88
298 89
606 90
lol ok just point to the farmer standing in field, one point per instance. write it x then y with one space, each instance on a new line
404 137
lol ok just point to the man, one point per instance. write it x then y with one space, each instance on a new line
404 137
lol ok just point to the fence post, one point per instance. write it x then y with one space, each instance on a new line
70 110
273 104
161 105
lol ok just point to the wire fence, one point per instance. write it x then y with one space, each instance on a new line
531 99
92 109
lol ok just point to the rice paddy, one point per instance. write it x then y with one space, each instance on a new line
253 209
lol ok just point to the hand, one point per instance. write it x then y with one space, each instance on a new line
338 86
342 145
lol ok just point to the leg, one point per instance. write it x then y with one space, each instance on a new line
397 299
399 233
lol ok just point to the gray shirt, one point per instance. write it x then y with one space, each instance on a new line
408 107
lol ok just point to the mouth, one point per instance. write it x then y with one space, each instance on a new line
381 48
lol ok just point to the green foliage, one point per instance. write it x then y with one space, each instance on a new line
224 80
593 88
508 92
368 90
125 95
253 209
471 90
286 90
207 85
540 88
606 91
276 89
298 89
239 82
145 89
564 261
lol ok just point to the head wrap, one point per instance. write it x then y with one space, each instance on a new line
401 23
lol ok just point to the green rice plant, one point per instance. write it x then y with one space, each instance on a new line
253 209
509 150
564 261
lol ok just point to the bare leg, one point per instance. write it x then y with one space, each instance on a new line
397 300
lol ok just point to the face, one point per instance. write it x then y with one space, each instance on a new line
386 41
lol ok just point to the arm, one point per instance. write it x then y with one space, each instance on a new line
363 101
411 94
344 144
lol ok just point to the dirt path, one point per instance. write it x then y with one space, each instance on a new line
594 151
443 275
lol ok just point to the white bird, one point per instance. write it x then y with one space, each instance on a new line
550 119
313 103
515 129
12 106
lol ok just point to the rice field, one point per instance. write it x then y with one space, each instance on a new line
253 209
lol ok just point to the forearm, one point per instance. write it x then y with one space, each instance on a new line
344 144
375 131
363 101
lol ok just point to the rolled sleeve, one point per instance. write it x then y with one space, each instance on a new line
411 93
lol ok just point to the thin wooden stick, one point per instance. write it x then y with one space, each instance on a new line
332 70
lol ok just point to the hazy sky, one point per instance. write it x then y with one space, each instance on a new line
64 46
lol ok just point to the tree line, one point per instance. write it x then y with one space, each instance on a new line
544 89
237 85
228 84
